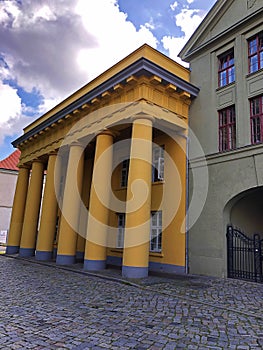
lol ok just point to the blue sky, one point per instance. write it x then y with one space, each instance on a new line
50 48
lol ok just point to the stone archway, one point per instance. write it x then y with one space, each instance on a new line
245 211
245 235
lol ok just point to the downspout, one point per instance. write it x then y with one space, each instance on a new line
186 209
186 205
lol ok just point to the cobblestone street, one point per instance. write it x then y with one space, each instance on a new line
46 307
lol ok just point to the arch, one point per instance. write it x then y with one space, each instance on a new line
245 211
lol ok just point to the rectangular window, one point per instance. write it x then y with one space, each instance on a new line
156 232
255 53
226 69
158 163
256 119
227 129
121 228
125 172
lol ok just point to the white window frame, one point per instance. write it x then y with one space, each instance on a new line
158 163
156 232
121 229
125 172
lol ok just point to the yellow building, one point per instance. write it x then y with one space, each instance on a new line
115 155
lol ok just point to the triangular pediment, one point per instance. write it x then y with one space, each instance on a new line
223 16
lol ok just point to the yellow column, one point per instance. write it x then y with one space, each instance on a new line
17 217
138 206
96 243
29 232
45 239
66 253
83 215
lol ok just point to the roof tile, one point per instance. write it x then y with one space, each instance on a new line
10 162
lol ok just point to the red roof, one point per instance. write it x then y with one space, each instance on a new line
11 161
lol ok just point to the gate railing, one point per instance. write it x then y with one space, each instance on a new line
244 255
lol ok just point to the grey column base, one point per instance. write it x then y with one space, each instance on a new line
65 259
55 252
12 249
80 256
26 252
43 255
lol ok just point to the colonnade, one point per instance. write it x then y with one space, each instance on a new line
23 238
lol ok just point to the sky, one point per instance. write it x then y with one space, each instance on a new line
51 48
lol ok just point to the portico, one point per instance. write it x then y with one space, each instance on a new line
114 155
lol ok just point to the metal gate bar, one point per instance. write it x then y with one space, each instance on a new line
244 255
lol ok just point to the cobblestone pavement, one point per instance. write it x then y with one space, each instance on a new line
47 307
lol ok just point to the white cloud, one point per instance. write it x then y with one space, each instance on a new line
115 36
174 6
188 20
10 103
40 42
57 46
11 113
174 45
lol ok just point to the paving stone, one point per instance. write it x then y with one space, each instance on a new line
44 306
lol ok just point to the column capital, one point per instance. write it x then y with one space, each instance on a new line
37 160
53 153
107 132
23 166
78 144
142 116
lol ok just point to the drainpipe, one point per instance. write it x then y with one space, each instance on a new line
186 206
186 211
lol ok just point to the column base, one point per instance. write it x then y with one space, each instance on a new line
26 252
55 252
80 256
134 272
42 255
12 249
65 259
94 265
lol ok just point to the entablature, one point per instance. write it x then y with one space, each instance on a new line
117 89
109 117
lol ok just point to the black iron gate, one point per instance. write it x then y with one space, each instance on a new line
244 255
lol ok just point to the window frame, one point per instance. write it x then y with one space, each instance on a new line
121 217
124 172
256 116
229 69
156 239
227 130
158 163
257 53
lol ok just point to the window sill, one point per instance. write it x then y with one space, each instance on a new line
162 182
120 189
227 150
158 182
151 254
117 250
156 254
225 86
254 73
256 143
